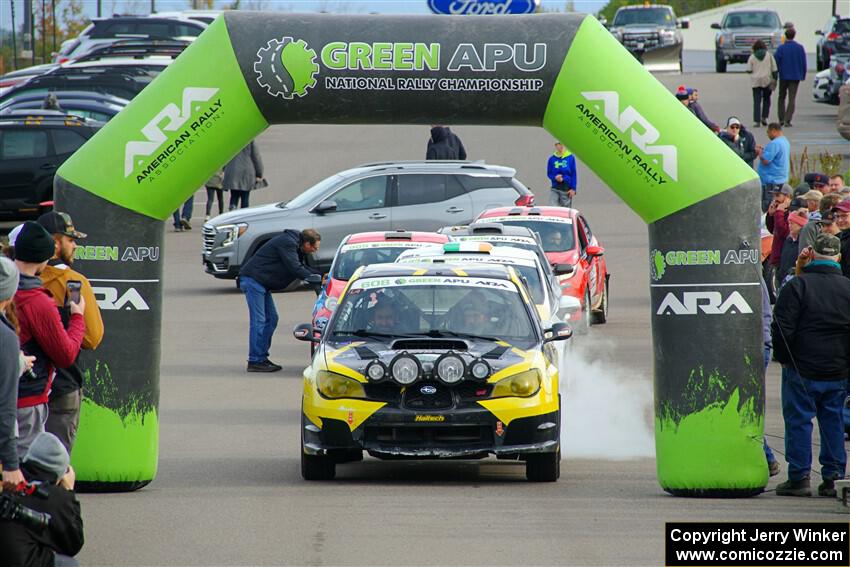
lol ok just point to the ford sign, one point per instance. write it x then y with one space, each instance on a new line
482 7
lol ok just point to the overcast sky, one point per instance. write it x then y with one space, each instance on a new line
350 6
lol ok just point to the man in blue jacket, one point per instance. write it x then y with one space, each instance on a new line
277 263
562 172
791 61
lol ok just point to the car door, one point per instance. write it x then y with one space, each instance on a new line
596 280
361 206
25 162
423 201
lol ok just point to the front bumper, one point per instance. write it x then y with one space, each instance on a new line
734 55
394 433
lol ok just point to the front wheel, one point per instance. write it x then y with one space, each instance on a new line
543 467
719 64
601 315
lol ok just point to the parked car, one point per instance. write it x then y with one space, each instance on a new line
650 33
105 31
828 81
739 30
413 195
205 16
33 144
119 77
13 78
363 249
573 251
136 49
834 39
102 112
423 362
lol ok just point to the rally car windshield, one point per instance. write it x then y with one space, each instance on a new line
353 256
434 305
556 236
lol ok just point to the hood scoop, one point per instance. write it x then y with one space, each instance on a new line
365 353
429 344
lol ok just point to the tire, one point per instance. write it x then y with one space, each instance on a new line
317 467
818 64
681 66
543 467
600 316
719 64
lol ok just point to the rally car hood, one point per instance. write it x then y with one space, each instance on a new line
357 355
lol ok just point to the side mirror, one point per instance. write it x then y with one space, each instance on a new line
325 207
818 32
558 332
684 23
715 26
595 251
603 20
569 304
563 269
306 332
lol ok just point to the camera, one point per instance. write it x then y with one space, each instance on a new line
12 510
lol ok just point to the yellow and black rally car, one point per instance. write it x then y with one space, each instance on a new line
430 362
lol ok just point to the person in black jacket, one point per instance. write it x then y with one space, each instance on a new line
277 263
811 338
46 468
452 139
740 140
842 220
440 147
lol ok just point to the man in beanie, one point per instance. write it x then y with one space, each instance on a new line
63 416
46 468
842 221
811 338
10 371
41 331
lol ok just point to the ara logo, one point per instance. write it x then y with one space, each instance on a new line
108 299
708 302
174 116
643 134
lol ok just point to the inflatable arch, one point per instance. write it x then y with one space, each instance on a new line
563 72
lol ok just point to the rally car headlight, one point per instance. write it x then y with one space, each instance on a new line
405 369
376 371
333 385
479 369
450 368
523 385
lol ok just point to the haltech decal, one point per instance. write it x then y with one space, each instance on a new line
174 119
288 68
430 418
641 133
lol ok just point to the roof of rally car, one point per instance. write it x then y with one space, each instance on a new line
495 271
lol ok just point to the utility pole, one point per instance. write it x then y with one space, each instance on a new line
53 13
99 7
14 41
43 31
153 6
834 7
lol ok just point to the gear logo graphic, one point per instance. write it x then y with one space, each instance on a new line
286 68
657 265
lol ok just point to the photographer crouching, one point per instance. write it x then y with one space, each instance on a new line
40 523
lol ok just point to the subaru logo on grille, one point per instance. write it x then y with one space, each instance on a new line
428 390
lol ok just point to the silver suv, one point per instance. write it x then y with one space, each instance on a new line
651 34
409 195
739 30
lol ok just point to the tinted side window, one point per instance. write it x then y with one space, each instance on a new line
23 144
367 193
415 189
473 183
187 30
66 140
586 227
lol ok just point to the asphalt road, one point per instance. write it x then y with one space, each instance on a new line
229 492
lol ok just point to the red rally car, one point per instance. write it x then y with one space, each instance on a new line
567 239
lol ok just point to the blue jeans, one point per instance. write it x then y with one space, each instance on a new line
768 453
187 211
263 318
802 400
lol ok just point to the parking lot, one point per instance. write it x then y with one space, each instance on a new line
229 489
